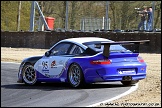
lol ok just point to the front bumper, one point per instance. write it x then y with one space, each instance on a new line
20 79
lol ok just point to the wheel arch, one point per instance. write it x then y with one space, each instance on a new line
79 66
26 63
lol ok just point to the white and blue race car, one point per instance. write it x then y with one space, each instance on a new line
78 61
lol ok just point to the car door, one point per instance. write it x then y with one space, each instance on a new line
54 65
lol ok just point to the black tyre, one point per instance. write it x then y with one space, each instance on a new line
128 83
29 75
75 76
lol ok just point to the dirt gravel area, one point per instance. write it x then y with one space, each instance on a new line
148 93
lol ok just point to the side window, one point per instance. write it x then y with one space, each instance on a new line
76 50
60 49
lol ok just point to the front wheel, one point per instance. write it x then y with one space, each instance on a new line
29 75
75 76
128 83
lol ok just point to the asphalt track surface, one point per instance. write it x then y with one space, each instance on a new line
14 94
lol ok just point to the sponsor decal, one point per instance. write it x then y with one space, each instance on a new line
47 75
62 79
45 71
142 69
53 64
51 76
126 71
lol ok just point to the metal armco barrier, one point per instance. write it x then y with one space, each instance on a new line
44 40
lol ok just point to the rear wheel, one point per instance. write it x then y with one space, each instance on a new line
29 75
128 83
75 76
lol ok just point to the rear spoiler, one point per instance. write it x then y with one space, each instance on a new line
107 45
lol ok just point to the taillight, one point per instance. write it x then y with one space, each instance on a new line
101 62
140 59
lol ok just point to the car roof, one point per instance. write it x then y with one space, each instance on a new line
82 40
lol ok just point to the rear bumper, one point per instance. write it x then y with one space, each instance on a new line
108 74
107 78
120 78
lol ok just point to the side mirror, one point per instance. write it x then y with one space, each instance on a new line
47 54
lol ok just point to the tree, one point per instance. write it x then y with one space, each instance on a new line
113 9
158 9
124 17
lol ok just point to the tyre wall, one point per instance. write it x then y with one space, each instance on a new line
45 40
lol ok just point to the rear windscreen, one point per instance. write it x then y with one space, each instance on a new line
99 48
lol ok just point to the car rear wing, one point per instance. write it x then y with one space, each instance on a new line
106 50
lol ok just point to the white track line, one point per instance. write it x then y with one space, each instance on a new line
133 88
10 62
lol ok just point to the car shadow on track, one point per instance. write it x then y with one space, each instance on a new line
61 86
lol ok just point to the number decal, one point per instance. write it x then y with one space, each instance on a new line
45 68
45 64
